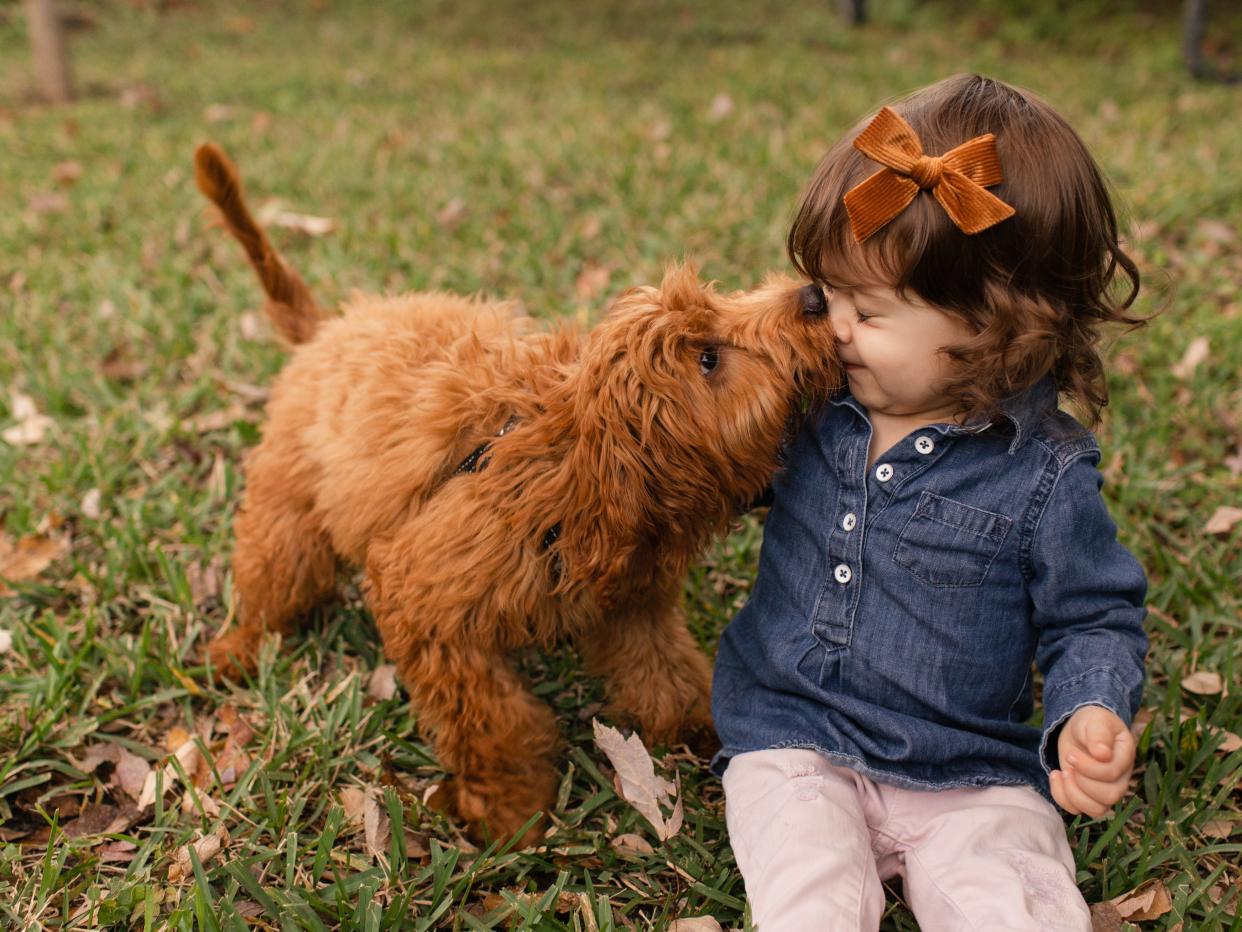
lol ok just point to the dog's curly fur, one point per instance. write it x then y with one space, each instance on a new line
603 464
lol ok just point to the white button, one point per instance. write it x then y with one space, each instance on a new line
884 472
843 573
850 521
924 445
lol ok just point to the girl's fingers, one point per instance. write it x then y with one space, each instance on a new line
1101 792
1107 771
1082 802
1056 783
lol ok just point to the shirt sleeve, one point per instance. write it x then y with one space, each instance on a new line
1087 592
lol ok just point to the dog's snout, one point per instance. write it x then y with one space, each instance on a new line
813 303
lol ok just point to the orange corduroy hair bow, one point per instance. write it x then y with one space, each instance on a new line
957 179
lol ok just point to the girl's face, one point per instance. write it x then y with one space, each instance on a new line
891 347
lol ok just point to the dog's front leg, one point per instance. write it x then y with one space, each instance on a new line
654 673
497 740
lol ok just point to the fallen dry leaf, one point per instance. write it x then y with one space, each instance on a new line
206 848
451 215
31 426
1223 519
698 924
1218 828
592 280
272 214
1105 918
6 641
1203 683
67 173
1230 743
188 756
1149 900
28 557
637 782
362 808
629 843
90 504
221 419
722 106
1195 354
383 682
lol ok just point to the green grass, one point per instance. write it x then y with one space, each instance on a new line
496 147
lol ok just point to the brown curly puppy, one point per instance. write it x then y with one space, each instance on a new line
506 486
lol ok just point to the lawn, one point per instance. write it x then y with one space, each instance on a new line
557 153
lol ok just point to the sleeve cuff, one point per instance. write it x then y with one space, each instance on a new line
1096 687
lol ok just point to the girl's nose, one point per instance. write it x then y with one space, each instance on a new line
841 328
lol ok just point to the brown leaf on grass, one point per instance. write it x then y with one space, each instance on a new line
1218 828
232 759
28 557
117 852
6 641
188 756
1230 743
1216 231
120 365
221 419
1149 900
631 844
31 426
383 682
698 924
1105 918
203 580
1203 683
90 504
362 809
206 848
272 214
1195 354
66 174
47 202
451 215
219 113
1223 519
102 819
722 106
592 281
637 782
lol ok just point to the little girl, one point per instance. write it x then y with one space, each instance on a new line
938 529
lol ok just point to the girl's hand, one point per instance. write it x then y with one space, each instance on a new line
1097 756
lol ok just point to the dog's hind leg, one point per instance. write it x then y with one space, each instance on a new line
283 565
655 675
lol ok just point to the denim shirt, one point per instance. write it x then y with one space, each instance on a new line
898 609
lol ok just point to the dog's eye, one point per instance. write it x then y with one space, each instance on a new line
709 359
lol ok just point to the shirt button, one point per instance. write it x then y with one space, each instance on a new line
924 445
850 521
884 472
843 573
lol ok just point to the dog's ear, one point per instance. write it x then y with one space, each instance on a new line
682 288
605 523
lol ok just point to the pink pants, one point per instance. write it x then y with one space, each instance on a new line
814 841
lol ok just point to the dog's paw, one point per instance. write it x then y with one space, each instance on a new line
232 656
492 816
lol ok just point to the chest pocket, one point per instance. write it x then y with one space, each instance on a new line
948 544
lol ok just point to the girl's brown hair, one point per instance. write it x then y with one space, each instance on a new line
1035 288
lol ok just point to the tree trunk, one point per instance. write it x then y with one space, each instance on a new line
47 44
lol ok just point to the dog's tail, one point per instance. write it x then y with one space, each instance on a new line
290 304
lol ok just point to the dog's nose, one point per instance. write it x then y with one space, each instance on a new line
813 303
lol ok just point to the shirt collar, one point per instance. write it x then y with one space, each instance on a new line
1024 409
